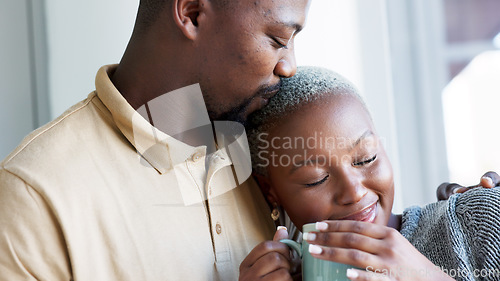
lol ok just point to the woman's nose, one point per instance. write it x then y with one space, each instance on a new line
350 190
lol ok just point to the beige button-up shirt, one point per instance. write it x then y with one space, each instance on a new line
82 199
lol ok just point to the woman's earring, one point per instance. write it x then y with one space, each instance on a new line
275 214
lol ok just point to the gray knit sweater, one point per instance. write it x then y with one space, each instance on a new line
460 235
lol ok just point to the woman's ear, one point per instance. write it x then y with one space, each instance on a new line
266 188
186 14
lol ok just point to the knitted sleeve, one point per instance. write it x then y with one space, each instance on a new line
478 212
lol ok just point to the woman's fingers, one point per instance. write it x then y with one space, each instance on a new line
368 246
271 263
367 237
264 248
281 274
362 275
365 228
352 257
266 259
347 240
359 244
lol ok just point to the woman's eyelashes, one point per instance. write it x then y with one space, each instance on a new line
318 182
365 162
355 164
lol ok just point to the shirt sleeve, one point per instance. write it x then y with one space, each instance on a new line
31 243
478 211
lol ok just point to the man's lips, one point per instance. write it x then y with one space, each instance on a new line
268 95
367 214
261 98
269 92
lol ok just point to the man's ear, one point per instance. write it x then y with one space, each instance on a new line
266 188
186 15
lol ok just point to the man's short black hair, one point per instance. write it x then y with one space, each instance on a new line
150 10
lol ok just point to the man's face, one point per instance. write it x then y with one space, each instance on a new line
243 51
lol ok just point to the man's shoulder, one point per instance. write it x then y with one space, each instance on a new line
56 141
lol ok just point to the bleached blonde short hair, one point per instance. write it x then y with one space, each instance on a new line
309 85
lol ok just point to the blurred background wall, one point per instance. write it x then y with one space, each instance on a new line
426 69
50 51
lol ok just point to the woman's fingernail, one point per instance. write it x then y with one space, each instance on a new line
488 180
309 236
313 249
281 227
352 274
321 225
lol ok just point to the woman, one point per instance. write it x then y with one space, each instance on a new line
317 155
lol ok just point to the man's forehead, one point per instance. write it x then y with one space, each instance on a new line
274 7
286 13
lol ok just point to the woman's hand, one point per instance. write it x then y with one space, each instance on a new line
382 251
270 260
488 180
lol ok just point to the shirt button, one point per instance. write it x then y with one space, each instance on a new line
196 157
218 228
217 157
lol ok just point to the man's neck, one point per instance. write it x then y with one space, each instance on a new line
151 67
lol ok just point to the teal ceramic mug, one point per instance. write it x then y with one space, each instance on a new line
314 269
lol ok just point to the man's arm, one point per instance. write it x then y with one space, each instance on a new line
31 243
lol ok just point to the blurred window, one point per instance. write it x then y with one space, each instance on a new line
471 100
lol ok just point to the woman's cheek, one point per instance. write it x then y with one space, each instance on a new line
308 209
382 172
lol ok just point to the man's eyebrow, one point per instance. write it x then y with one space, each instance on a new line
366 134
290 24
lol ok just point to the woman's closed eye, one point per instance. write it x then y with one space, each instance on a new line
318 182
365 162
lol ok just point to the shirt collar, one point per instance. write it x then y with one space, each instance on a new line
159 149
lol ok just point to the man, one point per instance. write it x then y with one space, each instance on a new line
105 192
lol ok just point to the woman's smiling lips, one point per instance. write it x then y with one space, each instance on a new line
367 214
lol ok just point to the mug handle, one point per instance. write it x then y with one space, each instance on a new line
294 245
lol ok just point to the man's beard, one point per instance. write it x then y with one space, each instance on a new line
237 114
240 113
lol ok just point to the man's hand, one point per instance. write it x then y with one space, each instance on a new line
270 260
488 180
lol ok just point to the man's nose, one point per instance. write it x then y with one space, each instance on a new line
286 66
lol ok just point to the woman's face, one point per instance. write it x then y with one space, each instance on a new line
325 162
